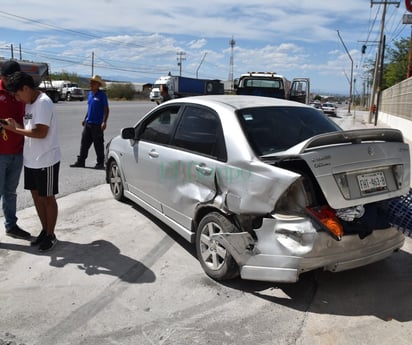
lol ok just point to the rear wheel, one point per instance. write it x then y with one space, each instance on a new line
214 258
116 182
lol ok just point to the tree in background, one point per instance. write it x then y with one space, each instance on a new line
396 67
121 91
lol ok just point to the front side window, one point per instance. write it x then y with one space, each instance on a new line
160 127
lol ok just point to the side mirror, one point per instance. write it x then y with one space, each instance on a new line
128 133
236 83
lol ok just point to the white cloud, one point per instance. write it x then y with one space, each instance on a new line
295 38
197 44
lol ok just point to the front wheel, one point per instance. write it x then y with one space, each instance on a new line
116 182
216 261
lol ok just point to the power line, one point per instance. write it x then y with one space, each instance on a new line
147 70
59 28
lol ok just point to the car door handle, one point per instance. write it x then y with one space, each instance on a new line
154 154
203 169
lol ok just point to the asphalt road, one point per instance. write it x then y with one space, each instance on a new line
70 116
118 276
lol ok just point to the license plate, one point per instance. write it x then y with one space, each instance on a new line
372 182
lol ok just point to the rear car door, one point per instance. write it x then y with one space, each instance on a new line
189 166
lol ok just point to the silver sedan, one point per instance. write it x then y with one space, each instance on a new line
265 188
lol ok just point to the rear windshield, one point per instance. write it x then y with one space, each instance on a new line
275 129
261 82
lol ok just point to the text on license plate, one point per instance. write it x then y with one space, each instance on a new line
372 182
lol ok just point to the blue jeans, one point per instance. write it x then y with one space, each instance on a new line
10 170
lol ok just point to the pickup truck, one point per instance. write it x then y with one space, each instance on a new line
271 84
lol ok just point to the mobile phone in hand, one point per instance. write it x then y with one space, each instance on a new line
3 122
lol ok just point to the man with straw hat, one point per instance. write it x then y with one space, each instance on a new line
94 124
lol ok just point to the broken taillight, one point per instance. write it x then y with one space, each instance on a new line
327 216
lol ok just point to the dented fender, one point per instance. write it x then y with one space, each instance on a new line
254 190
281 241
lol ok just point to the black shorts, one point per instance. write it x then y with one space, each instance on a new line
44 180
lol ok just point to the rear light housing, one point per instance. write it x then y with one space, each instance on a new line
327 217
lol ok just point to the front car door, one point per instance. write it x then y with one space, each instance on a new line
143 165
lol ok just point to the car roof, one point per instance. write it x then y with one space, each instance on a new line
237 101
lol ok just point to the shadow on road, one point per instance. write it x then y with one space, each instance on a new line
97 257
382 289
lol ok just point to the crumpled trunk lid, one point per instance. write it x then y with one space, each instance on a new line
357 167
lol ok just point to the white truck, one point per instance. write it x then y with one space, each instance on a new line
68 90
271 84
183 86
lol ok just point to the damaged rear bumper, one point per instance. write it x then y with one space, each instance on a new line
288 246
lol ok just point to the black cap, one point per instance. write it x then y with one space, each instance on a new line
9 67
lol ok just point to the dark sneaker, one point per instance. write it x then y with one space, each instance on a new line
99 166
16 232
77 165
48 243
39 239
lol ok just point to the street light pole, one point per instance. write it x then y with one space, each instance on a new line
351 72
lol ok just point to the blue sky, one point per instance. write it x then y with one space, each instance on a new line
138 41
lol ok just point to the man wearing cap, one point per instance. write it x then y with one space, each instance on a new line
94 124
11 153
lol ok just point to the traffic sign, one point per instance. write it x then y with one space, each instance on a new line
407 19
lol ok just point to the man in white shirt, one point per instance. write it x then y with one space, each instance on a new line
41 153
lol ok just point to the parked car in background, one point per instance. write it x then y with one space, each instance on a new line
265 188
317 106
329 109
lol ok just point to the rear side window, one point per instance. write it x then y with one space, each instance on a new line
199 131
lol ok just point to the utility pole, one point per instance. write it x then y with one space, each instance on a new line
232 43
379 60
380 80
407 19
351 73
92 64
180 58
197 70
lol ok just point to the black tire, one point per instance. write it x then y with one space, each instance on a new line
115 181
68 97
213 257
210 88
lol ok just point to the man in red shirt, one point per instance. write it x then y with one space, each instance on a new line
11 153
